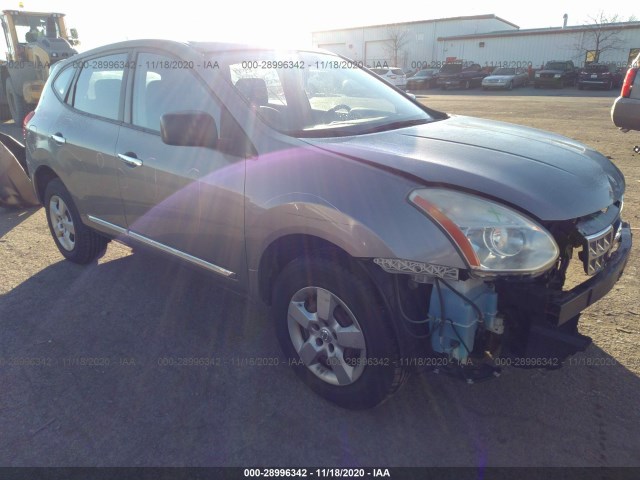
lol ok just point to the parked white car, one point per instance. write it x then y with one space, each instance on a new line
393 75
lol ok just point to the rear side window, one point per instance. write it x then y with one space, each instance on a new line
99 84
62 81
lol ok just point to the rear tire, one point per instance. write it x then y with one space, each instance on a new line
335 333
76 242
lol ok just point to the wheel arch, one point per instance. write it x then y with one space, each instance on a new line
287 248
41 178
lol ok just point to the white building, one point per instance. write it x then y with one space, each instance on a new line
485 39
537 46
420 39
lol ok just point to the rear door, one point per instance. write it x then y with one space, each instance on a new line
187 201
83 135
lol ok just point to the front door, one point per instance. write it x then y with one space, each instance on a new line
188 201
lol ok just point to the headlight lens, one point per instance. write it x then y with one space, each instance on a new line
504 242
537 75
491 237
557 75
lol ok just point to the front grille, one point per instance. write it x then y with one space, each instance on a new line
597 248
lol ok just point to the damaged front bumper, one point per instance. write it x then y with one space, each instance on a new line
558 307
478 326
545 330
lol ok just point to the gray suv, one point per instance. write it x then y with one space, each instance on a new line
625 111
384 235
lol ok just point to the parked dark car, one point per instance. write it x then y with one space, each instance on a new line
455 75
383 234
427 78
625 112
556 74
599 75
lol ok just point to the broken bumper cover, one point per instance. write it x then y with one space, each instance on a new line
559 307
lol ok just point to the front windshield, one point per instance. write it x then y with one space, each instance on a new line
31 27
451 68
555 66
308 94
504 71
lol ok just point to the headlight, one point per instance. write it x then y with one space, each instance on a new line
557 75
537 75
492 238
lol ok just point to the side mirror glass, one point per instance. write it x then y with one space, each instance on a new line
189 129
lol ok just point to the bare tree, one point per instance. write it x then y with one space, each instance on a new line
398 37
602 35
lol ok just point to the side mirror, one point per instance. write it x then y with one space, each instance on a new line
189 129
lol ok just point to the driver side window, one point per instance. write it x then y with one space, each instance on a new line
161 87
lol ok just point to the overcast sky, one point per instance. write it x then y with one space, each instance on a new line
289 22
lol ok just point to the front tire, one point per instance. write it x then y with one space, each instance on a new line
76 242
335 333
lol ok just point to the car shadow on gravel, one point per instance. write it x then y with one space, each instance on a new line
12 217
141 361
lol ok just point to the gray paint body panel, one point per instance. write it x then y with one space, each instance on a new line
550 176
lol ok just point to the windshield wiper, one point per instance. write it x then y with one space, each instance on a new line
356 129
395 125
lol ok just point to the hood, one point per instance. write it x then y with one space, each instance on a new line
550 176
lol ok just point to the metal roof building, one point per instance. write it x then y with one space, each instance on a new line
485 39
418 41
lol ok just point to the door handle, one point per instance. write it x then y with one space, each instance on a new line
58 138
130 159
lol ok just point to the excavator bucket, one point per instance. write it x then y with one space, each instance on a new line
15 186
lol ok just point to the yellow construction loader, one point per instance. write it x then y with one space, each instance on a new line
35 41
